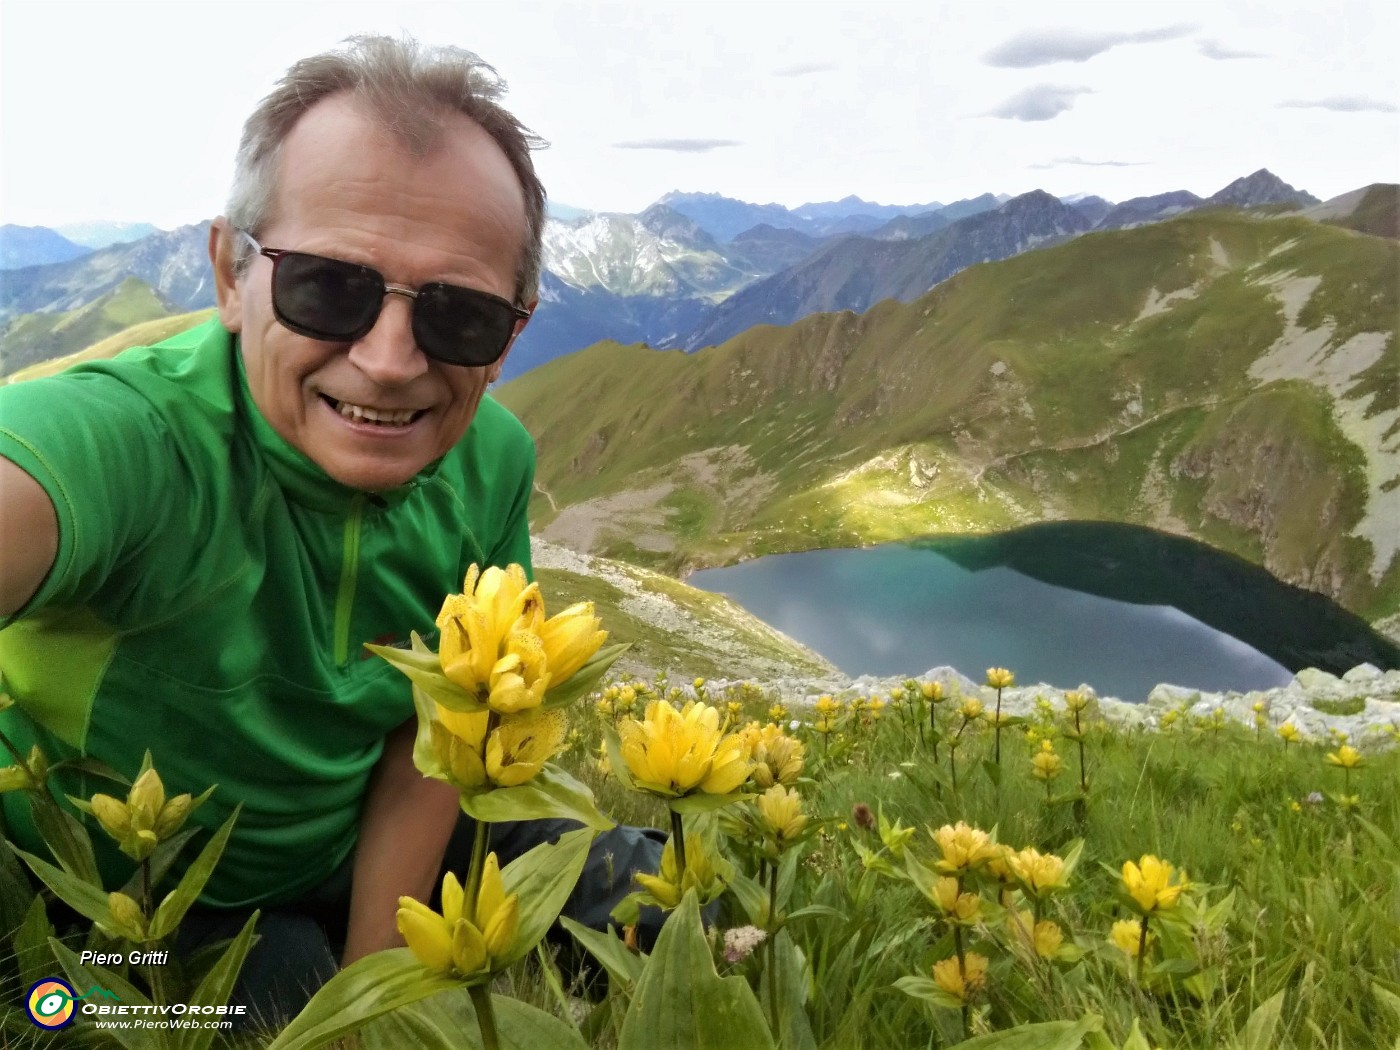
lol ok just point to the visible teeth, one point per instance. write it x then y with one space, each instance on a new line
365 414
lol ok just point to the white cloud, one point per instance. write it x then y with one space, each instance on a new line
1343 104
805 69
1041 102
1081 162
1042 47
1221 53
678 145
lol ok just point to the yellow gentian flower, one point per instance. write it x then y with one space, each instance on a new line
1289 732
1000 678
970 709
1038 872
963 847
1045 763
519 747
781 810
570 640
1127 936
145 819
1345 756
468 937
777 757
964 979
668 886
673 753
1149 883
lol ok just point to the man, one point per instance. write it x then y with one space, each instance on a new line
199 537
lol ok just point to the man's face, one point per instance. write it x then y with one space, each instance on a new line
348 191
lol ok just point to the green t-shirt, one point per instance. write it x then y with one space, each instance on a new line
212 592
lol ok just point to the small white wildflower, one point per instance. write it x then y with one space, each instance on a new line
740 942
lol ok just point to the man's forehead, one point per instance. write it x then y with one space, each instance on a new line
342 137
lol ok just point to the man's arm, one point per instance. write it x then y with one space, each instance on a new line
28 537
404 828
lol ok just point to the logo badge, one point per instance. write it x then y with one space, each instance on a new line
50 1004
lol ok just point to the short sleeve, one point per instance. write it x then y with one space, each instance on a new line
95 446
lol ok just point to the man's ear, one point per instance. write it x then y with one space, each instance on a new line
223 251
520 324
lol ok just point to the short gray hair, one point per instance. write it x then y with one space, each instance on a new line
407 88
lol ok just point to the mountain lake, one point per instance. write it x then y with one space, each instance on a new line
1118 607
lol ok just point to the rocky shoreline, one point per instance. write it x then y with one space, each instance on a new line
1314 701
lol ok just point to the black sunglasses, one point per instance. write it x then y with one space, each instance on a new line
339 301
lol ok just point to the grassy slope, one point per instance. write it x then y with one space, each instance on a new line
143 334
1022 390
32 338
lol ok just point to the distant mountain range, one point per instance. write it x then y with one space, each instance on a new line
1226 375
693 269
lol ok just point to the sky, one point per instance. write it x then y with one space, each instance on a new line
130 111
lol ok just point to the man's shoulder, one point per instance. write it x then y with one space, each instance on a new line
496 436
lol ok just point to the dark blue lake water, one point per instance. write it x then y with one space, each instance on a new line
1119 607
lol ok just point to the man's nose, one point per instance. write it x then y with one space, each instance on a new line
388 353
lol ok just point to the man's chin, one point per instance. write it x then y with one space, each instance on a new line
370 475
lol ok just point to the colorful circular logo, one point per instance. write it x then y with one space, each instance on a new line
50 1004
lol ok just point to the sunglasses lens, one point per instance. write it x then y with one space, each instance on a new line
326 298
461 326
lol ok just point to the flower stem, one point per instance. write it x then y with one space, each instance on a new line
1083 776
772 966
485 1016
1142 948
998 727
678 837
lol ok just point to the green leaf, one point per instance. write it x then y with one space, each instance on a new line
702 803
1387 998
447 1021
84 978
1175 967
551 793
1136 1040
90 767
924 988
16 892
752 897
422 667
544 877
623 965
993 771
367 989
794 1029
31 944
66 838
585 679
1072 853
681 1003
83 897
1218 914
923 877
178 901
1051 1035
616 763
217 985
1259 1029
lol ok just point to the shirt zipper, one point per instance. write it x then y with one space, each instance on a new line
349 571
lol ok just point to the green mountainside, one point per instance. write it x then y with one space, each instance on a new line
143 334
1223 377
31 338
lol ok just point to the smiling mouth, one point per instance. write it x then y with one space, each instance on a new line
388 418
